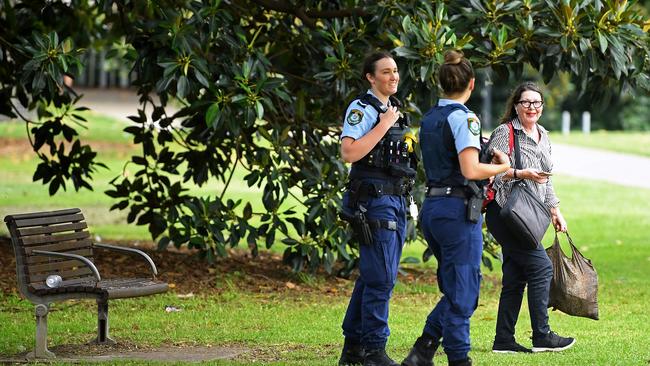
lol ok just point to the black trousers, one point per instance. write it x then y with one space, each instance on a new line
521 267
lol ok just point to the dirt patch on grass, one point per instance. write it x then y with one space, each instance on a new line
122 351
19 150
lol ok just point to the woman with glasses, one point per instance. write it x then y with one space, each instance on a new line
523 266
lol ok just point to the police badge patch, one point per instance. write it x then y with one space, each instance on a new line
355 116
474 126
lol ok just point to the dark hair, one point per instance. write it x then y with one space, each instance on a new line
510 111
456 73
370 62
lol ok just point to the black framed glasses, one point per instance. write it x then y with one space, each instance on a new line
528 103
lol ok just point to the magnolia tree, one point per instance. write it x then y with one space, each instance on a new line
262 86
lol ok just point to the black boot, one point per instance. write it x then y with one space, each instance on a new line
464 362
378 357
352 354
422 352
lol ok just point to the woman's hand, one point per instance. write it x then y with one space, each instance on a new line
388 118
531 174
559 223
353 150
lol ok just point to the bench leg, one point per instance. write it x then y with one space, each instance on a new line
102 323
41 351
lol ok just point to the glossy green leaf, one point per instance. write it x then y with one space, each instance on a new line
182 87
212 115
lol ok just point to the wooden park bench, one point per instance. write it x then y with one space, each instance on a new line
54 262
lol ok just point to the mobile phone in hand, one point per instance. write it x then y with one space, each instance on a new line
545 174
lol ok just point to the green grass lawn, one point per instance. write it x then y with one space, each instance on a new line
637 143
99 128
19 194
610 224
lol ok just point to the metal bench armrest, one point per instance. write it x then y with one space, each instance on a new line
131 251
82 259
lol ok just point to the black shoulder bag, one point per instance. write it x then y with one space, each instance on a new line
524 213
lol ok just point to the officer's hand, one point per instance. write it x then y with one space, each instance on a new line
388 118
499 157
532 174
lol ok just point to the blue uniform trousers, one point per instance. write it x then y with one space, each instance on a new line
457 245
366 319
521 267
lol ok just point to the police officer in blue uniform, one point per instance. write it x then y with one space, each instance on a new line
375 205
451 214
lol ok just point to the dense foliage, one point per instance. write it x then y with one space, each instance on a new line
262 86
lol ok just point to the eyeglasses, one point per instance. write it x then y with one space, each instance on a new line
528 103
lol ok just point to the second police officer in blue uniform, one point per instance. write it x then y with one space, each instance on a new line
375 204
451 219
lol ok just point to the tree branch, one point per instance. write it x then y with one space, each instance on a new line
232 172
12 46
308 17
299 199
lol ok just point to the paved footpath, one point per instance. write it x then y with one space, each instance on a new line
116 103
624 169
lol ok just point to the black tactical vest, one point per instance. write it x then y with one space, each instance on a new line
389 159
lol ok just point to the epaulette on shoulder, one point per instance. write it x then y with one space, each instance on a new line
369 99
362 104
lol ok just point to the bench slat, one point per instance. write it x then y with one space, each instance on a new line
36 259
48 220
54 266
64 283
32 215
52 229
114 289
41 239
82 271
63 246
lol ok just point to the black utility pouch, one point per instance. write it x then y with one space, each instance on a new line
362 227
474 205
401 171
474 202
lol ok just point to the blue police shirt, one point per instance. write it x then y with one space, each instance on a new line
465 127
359 119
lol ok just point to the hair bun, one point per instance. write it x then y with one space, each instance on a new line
453 57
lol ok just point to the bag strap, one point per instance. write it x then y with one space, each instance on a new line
575 252
368 98
516 150
511 138
556 245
